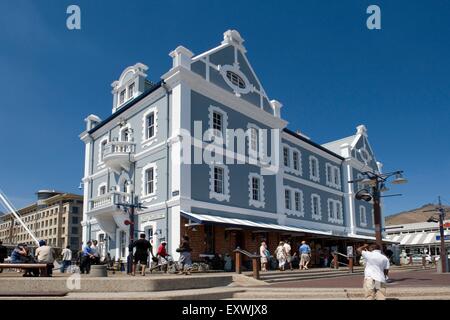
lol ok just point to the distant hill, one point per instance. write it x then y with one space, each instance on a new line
412 216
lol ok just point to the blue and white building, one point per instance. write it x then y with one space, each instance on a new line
162 141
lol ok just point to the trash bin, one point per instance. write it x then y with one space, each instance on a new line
98 270
439 266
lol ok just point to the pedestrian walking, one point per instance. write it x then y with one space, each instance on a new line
45 254
66 256
287 249
162 256
281 256
86 258
3 254
143 247
375 271
305 255
185 260
265 255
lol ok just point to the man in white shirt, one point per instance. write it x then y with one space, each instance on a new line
375 272
66 258
95 252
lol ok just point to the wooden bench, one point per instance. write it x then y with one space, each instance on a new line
41 266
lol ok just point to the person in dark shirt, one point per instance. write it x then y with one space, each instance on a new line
185 260
142 246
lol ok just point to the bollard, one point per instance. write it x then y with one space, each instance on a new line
336 262
255 268
350 264
424 262
410 260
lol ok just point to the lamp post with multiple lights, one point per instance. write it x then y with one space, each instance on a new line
377 184
130 207
442 250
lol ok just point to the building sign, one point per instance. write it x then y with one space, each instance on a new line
446 237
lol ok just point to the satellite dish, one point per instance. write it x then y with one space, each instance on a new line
363 194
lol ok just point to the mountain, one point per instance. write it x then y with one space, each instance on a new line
415 215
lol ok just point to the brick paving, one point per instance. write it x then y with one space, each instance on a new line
425 278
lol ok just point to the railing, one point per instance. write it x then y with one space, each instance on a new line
336 261
255 261
115 147
108 199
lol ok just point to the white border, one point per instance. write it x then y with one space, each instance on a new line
311 173
255 203
151 196
225 196
313 215
147 142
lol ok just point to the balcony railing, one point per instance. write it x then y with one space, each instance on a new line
108 200
117 154
119 147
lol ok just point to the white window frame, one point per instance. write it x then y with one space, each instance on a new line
129 97
316 216
292 210
103 184
151 196
290 168
235 69
213 132
100 153
312 175
225 196
362 213
149 141
126 127
256 203
335 172
335 214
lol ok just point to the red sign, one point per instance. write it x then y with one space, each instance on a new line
447 225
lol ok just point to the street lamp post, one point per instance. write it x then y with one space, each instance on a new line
377 184
130 208
442 251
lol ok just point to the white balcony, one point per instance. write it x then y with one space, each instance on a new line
119 155
108 201
105 211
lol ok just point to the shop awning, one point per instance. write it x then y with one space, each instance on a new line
416 239
206 218
361 237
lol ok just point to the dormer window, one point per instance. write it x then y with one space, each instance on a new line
131 91
122 96
236 80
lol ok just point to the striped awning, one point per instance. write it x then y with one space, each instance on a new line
415 239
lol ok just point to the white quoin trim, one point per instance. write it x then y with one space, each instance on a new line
318 215
225 196
147 197
181 57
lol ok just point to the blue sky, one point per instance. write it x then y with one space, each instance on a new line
316 57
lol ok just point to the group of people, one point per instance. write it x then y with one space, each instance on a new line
284 256
143 248
22 253
89 255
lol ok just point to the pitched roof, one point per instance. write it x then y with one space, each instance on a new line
335 146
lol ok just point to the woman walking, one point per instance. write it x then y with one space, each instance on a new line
281 255
185 256
265 254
